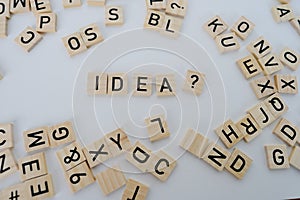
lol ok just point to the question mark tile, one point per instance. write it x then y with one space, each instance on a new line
176 7
194 82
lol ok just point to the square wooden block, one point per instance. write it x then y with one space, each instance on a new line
14 192
296 24
96 2
117 84
248 127
277 157
111 180
61 134
286 84
114 15
36 139
290 58
19 6
287 132
154 20
28 38
215 26
243 27
171 26
40 188
229 134
97 83
156 5
71 3
117 142
6 136
194 143
276 105
227 42
157 127
70 156
294 157
263 87
176 7
40 6
165 85
262 115
139 156
5 9
74 44
46 22
270 64
33 166
216 156
238 164
142 85
259 47
8 164
249 66
135 190
194 82
91 35
79 177
3 27
282 13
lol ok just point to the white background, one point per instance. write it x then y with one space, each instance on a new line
37 90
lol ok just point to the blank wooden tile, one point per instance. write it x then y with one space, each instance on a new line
36 139
215 26
139 156
32 166
8 164
216 156
227 42
97 83
61 134
157 127
154 20
263 87
117 84
114 15
194 143
142 85
3 27
176 7
286 84
276 105
135 190
14 192
91 35
5 12
28 38
294 157
248 127
238 164
40 188
171 26
259 47
46 23
96 2
156 5
40 6
290 58
71 3
79 177
70 156
282 13
117 142
270 64
194 82
6 136
296 24
287 132
74 44
249 66
19 6
277 157
229 134
111 180
243 27
165 85
262 115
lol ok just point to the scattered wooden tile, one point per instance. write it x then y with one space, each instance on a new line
243 27
229 134
216 156
5 12
290 58
286 84
249 66
156 5
14 192
194 82
117 142
248 127
287 132
296 24
195 143
142 85
277 157
215 26
32 166
28 38
157 127
276 105
263 87
294 157
79 177
171 26
139 156
61 134
227 42
40 188
71 3
262 115
97 83
3 27
91 35
74 44
165 85
270 64
238 164
284 1
70 156
114 15
96 2
117 84
6 136
259 47
7 163
19 6
176 7
282 13
154 20
46 23
36 139
40 6
111 180
135 190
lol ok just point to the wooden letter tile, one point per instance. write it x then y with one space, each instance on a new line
294 157
227 42
135 190
40 6
71 3
139 156
277 157
28 38
260 47
248 127
249 66
215 26
282 13
111 180
154 20
156 4
114 15
290 58
91 35
296 24
157 128
176 7
40 188
142 85
287 84
74 44
287 132
15 192
270 64
5 12
165 85
96 2
7 163
194 82
6 136
238 164
61 134
3 27
262 115
243 27
276 105
171 26
46 23
36 139
117 142
263 87
19 6
216 156
97 83
117 84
